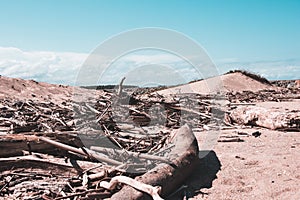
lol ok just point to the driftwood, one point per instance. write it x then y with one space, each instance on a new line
282 94
121 86
83 151
25 116
268 118
152 191
235 139
168 176
38 160
191 111
15 144
129 154
181 154
54 164
141 132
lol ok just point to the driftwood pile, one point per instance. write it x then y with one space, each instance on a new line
83 150
26 116
81 173
283 94
142 123
284 83
90 149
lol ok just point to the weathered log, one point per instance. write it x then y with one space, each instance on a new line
168 176
268 118
15 144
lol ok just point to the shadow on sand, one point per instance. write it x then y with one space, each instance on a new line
205 173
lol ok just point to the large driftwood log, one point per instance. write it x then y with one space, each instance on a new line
268 118
168 176
15 144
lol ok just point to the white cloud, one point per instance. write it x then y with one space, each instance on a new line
155 66
164 68
162 58
54 67
63 67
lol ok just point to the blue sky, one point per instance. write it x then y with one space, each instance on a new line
260 35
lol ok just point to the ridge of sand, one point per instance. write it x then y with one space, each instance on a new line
228 82
20 89
29 89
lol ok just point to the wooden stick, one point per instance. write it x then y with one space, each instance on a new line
121 86
242 104
140 112
107 133
149 189
137 135
102 114
191 111
134 141
135 154
231 140
92 109
85 152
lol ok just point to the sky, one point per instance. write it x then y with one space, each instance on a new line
50 40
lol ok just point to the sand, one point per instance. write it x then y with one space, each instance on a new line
266 167
229 82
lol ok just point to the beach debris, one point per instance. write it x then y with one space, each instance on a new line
268 118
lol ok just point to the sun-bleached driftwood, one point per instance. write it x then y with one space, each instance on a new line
134 141
92 109
169 176
133 134
15 144
85 152
153 191
268 118
129 154
191 111
242 104
140 112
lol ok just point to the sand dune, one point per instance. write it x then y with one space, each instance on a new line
229 82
